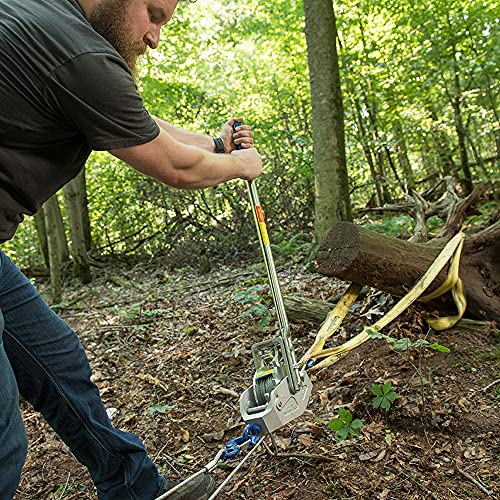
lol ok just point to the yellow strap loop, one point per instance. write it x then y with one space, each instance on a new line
332 322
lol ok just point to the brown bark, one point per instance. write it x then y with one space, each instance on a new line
302 310
354 253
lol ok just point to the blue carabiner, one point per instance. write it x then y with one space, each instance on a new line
250 434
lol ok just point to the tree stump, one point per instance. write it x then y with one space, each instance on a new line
353 253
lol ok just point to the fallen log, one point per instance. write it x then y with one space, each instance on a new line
302 310
353 253
312 311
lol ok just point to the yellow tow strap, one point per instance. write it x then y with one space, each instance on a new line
451 251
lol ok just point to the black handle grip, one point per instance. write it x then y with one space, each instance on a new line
237 124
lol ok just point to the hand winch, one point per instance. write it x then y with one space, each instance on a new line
280 390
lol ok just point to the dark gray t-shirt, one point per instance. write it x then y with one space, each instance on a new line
64 91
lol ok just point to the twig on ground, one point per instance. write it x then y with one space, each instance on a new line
152 380
475 481
65 486
484 389
313 456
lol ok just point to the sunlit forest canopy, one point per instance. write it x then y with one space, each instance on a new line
420 89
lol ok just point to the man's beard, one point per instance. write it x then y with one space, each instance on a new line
109 19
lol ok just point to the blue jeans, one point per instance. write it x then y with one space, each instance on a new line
42 359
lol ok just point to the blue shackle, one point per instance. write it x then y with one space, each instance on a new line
250 434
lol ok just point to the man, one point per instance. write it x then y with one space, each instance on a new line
66 88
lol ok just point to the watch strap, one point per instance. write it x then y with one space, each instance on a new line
219 145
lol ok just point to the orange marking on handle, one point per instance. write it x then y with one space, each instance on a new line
260 213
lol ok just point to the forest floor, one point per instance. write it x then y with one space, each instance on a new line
170 353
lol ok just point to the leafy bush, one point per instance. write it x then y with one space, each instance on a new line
398 226
256 303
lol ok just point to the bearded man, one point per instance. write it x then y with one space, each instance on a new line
67 88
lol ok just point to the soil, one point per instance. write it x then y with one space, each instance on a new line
182 342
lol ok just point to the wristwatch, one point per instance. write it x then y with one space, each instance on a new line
219 145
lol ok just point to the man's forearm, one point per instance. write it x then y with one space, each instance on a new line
201 141
187 167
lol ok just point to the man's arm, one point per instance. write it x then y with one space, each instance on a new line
188 167
243 137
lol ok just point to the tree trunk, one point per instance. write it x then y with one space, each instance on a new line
404 162
331 181
302 310
75 210
441 145
57 220
368 154
80 182
354 253
41 234
456 104
55 247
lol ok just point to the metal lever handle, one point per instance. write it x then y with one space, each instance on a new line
288 351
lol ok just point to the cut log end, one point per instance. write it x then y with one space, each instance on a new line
336 254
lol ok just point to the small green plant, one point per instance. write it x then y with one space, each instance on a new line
132 312
405 343
161 408
62 489
384 395
344 426
257 304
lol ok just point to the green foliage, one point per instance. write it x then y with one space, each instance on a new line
487 211
257 305
132 312
293 249
344 425
434 225
384 395
398 226
402 63
405 343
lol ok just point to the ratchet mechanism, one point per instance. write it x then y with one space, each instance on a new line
280 390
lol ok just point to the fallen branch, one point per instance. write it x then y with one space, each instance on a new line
484 389
152 380
475 481
313 456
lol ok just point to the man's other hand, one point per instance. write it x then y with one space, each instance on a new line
242 137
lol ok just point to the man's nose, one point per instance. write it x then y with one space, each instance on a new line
152 37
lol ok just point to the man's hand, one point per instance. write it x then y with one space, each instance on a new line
252 162
242 137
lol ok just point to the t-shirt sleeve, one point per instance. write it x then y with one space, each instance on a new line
95 94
